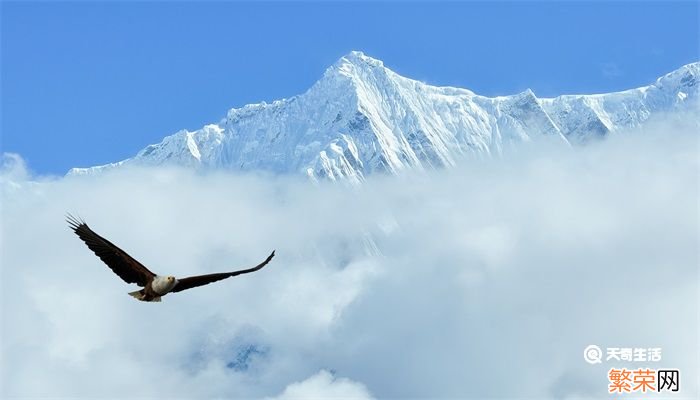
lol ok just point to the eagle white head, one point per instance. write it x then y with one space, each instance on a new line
163 284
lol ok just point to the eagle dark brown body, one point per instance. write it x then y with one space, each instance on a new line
131 271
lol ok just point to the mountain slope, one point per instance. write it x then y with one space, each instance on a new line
361 118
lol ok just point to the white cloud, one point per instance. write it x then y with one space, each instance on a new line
491 278
13 169
324 385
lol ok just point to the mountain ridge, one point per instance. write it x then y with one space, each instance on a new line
361 117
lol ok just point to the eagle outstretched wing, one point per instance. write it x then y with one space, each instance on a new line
130 270
201 280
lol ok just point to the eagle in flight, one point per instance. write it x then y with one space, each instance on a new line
132 271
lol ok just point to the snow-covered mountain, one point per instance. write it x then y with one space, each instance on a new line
361 118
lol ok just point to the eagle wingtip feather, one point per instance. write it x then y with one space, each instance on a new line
74 222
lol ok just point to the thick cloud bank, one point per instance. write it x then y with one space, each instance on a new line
486 280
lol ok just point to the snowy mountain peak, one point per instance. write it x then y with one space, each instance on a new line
358 68
354 65
681 82
359 59
361 118
686 75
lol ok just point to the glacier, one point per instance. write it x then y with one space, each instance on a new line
362 118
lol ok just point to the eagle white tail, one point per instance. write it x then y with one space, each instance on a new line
139 296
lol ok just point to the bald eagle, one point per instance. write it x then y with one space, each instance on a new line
132 271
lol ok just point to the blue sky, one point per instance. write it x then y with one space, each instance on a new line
90 83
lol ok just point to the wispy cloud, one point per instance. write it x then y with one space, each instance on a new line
611 70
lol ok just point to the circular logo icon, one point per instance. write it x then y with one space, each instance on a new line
593 354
